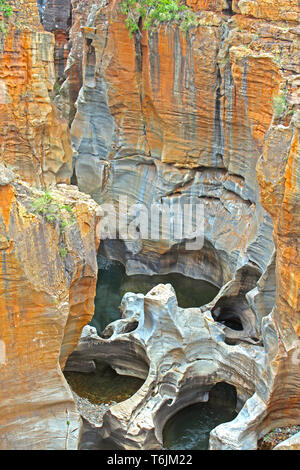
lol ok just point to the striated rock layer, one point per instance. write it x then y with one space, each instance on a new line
47 288
65 18
34 138
209 116
172 118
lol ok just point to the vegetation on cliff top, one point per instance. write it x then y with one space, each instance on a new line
280 105
5 8
156 12
60 215
5 11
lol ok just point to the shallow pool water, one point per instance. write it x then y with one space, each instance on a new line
113 283
189 429
104 385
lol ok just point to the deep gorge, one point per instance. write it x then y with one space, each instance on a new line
97 121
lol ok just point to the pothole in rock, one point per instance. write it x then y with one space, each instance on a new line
102 387
227 311
189 428
113 283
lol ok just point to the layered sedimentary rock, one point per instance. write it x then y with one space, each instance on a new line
172 118
56 16
210 116
65 18
47 287
34 138
278 10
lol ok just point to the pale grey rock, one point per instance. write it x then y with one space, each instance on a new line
6 176
181 354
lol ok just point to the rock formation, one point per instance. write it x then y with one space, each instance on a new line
34 138
209 117
48 265
178 114
211 114
47 288
181 354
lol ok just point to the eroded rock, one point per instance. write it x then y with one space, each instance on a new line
47 287
181 354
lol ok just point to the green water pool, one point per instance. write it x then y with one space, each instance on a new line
104 385
189 429
113 283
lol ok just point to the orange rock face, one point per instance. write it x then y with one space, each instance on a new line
34 139
279 10
46 297
208 102
280 193
215 5
211 114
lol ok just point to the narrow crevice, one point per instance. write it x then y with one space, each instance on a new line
229 11
139 66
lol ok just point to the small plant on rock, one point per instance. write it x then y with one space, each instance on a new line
156 12
57 214
63 252
5 8
280 105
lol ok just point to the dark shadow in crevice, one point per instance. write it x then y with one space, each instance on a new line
229 11
227 311
190 426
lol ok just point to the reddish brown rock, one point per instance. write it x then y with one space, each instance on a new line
46 297
34 138
278 10
165 115
215 5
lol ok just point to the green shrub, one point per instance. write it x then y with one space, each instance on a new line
63 252
5 8
54 213
155 12
280 105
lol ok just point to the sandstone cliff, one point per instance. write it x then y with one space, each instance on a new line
211 114
48 266
47 288
34 138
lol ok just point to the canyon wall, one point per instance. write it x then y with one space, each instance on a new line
34 138
210 115
47 288
169 117
48 244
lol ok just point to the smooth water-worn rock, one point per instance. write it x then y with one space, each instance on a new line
47 286
210 116
182 354
172 118
293 443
